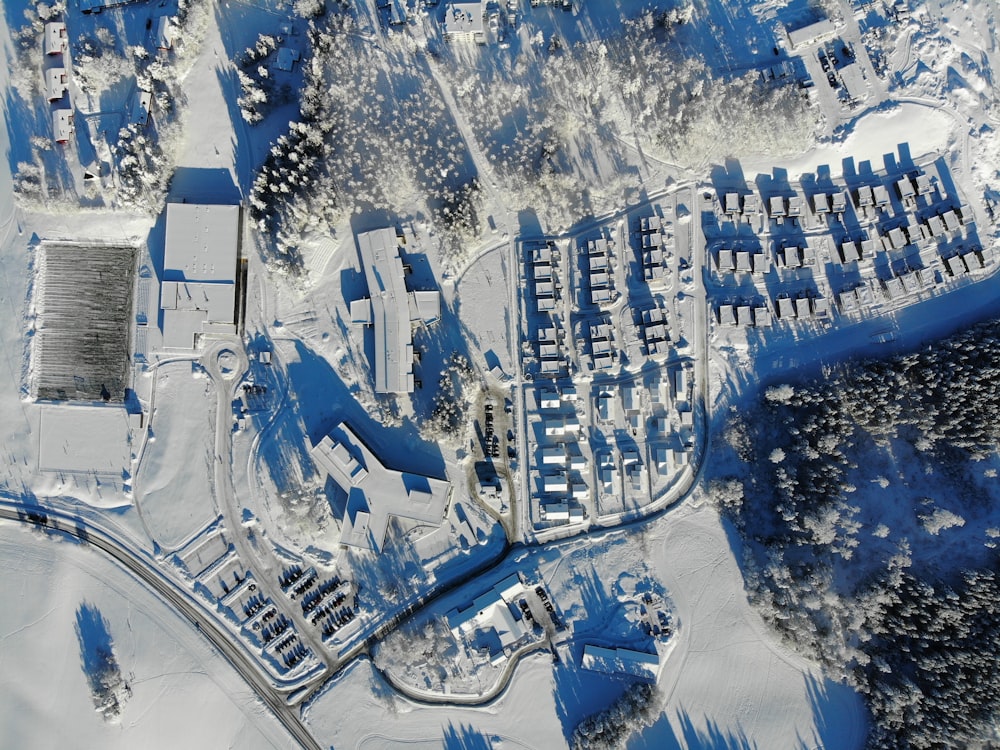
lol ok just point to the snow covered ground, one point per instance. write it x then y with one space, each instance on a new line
157 481
727 681
181 692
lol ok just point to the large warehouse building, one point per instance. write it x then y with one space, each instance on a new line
391 310
200 290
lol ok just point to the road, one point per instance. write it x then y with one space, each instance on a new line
226 362
168 590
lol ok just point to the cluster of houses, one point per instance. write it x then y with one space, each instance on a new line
744 314
655 331
602 344
544 264
655 241
601 283
633 419
542 274
560 466
55 44
56 70
884 238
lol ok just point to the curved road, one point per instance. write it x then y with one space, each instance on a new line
158 582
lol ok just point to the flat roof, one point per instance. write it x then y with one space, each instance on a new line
383 268
463 18
374 491
202 242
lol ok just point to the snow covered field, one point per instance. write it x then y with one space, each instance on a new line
180 691
569 125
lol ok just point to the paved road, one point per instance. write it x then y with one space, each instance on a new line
226 362
167 589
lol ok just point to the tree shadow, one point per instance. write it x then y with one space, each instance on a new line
465 737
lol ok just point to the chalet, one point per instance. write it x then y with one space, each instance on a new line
56 41
62 125
56 83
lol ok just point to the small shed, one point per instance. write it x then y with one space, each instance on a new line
287 57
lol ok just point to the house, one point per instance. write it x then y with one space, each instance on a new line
141 106
62 125
849 252
56 41
287 57
56 83
464 21
198 293
164 33
786 308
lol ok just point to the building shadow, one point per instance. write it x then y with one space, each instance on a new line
203 185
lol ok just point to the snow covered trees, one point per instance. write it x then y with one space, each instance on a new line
612 727
844 543
373 132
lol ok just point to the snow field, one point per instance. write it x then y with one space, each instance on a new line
172 672
173 490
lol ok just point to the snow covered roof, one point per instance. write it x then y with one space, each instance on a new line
202 242
375 492
212 302
164 33
393 310
621 661
811 33
854 80
464 20
199 270
287 57
786 308
56 41
62 125
56 80
491 610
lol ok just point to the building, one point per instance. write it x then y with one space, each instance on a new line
62 125
391 310
493 611
199 290
287 57
464 21
621 661
56 83
56 41
164 33
376 493
814 32
141 105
